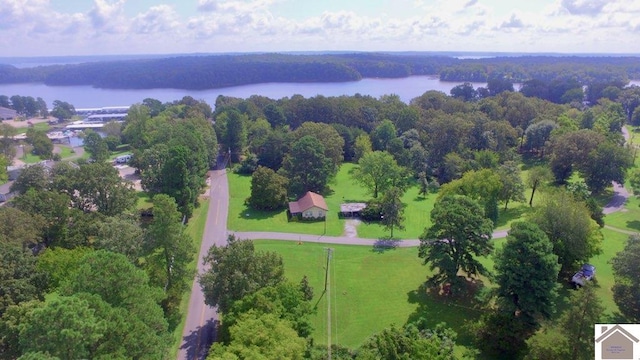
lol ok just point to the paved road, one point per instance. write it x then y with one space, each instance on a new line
344 240
199 330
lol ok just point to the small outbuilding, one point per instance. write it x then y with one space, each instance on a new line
352 210
309 207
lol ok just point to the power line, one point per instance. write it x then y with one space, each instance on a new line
327 290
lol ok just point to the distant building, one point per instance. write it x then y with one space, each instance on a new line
310 206
7 114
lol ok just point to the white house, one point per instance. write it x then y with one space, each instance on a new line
310 206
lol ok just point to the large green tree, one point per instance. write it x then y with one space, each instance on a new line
572 335
538 176
572 150
63 326
409 342
626 290
362 146
121 234
31 177
527 272
41 144
378 171
62 110
7 144
329 137
232 133
392 210
123 296
261 336
459 235
19 279
285 300
95 186
268 189
608 162
20 228
576 238
512 185
484 186
170 251
307 167
96 146
383 135
237 270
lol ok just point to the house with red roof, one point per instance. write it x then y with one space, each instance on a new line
311 206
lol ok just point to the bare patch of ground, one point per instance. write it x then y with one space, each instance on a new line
351 228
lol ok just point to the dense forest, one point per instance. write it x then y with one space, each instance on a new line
216 71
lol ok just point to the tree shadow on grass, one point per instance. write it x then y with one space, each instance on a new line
633 224
419 198
435 306
249 213
385 244
511 214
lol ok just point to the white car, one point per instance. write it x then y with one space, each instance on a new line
586 273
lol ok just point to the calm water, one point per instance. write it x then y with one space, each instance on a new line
89 97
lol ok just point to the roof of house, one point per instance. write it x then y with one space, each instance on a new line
8 111
609 332
309 200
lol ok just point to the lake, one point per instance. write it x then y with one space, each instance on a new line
90 97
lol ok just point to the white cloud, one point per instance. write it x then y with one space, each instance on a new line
33 26
108 15
158 19
514 22
584 7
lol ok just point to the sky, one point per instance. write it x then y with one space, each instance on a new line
113 27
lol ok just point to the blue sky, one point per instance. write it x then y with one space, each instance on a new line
95 27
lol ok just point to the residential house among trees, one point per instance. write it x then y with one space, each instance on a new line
310 206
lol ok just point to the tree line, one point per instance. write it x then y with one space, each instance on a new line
216 71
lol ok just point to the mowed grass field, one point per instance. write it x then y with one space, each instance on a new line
370 290
344 189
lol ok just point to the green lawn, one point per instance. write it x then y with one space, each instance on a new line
66 151
343 189
144 200
30 158
39 126
370 290
195 229
613 243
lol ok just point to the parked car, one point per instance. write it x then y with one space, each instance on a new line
585 274
123 159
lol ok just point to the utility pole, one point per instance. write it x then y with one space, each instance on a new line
327 290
